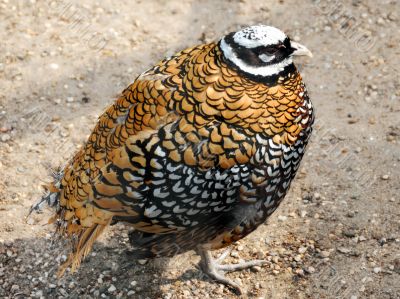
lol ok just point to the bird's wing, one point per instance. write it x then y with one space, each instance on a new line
89 181
86 195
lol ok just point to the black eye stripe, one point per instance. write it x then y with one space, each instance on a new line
269 50
282 46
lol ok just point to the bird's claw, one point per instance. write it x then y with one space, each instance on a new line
213 268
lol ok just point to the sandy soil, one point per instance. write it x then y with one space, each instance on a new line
337 233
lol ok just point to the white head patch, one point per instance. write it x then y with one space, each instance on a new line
259 35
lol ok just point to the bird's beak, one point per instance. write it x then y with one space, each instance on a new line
300 50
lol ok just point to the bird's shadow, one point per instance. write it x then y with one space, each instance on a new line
34 270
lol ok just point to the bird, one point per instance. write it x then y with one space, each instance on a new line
195 154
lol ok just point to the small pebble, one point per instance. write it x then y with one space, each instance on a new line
142 261
349 233
54 66
64 133
167 296
377 270
282 218
310 270
112 288
63 292
344 250
5 137
385 177
39 294
325 253
302 250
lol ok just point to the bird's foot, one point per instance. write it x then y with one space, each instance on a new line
215 270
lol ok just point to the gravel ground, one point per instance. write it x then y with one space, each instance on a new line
337 233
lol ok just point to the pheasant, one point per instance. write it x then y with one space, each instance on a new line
195 154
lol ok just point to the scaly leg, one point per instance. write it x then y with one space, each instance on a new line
215 270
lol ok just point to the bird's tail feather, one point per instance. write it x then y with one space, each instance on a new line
82 246
51 196
82 237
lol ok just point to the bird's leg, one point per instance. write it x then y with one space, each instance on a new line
215 270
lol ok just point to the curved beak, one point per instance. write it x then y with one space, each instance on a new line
300 50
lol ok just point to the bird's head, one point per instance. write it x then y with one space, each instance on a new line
262 52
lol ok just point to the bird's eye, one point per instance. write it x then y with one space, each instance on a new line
271 50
